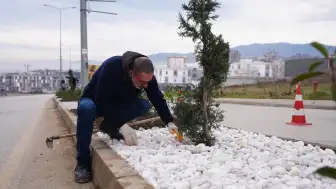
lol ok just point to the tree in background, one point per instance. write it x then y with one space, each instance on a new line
197 113
72 80
73 94
312 73
270 55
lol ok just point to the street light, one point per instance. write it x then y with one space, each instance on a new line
60 10
70 57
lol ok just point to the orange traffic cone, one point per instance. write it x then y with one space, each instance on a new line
298 117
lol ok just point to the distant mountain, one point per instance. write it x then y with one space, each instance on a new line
161 58
285 50
43 64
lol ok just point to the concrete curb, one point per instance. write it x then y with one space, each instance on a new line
109 170
306 106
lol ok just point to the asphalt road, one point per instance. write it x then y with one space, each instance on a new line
272 121
26 162
17 115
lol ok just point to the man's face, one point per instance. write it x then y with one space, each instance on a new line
140 80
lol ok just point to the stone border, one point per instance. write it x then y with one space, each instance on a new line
109 170
306 106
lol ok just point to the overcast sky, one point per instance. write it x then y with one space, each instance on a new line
30 31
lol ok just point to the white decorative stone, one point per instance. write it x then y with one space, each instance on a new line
239 159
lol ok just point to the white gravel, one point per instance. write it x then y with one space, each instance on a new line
239 160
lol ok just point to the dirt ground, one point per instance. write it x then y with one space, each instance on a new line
34 166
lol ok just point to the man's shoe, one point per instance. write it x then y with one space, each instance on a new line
82 174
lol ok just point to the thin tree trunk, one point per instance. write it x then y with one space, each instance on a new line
333 78
205 104
331 66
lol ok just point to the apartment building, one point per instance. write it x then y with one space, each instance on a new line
37 80
235 56
177 71
257 68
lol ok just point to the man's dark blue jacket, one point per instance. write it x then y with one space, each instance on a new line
111 88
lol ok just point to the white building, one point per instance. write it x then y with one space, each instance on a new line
45 80
257 68
177 71
234 56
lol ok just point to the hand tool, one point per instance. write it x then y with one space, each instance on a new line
49 140
179 135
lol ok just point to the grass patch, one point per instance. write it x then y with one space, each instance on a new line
319 96
68 95
278 90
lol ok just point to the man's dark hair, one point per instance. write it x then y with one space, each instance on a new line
143 64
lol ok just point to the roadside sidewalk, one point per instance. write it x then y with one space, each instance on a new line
34 166
109 169
308 104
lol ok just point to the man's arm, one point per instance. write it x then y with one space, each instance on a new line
103 93
156 97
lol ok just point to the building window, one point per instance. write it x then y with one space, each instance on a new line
166 72
183 79
189 73
166 79
175 73
160 73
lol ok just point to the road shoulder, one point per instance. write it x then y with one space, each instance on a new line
41 167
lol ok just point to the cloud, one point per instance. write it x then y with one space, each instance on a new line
151 26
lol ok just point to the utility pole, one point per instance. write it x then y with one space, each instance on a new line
60 34
60 41
26 68
70 54
84 76
70 59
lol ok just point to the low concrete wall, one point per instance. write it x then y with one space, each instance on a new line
109 170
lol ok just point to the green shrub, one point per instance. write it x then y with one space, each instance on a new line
196 111
69 95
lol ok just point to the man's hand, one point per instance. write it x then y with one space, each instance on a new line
172 128
129 135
